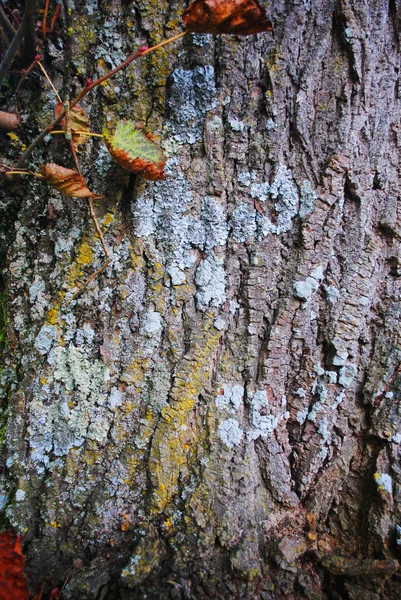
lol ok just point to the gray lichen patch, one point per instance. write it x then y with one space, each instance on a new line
214 222
265 417
192 95
210 281
230 433
304 289
163 211
76 411
243 222
284 192
307 199
230 397
45 339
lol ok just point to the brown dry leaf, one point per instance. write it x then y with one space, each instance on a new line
239 17
79 121
12 581
66 181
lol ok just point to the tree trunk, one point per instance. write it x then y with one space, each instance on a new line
217 414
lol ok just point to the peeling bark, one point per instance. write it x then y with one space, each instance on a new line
217 415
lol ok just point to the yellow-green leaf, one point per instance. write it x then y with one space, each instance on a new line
136 150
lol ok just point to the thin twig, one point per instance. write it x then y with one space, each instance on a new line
87 89
7 21
124 64
14 16
17 172
45 13
19 36
48 79
67 41
61 591
77 132
4 37
97 227
91 210
87 282
25 73
55 17
29 46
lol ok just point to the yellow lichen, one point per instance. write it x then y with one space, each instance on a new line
108 219
52 316
85 254
174 437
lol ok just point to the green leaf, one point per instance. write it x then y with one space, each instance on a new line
136 150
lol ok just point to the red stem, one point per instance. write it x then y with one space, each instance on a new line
87 89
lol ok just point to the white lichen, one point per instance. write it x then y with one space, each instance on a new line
284 191
236 124
243 222
191 96
230 397
151 323
347 374
230 433
384 482
45 339
307 199
214 222
304 289
20 495
55 426
262 417
210 280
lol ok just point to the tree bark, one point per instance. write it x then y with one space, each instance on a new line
217 415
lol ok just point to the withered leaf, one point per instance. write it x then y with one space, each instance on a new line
239 17
12 581
136 150
66 181
79 121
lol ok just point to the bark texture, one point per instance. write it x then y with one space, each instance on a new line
217 415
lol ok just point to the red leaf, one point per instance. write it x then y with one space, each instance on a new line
12 581
239 17
67 181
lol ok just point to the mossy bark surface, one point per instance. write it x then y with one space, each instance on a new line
218 414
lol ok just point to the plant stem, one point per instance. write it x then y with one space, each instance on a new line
6 20
87 89
74 131
44 20
98 230
4 37
18 172
49 80
124 64
19 36
87 282
29 46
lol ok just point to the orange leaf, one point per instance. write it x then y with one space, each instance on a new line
136 150
240 17
79 121
66 181
12 581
